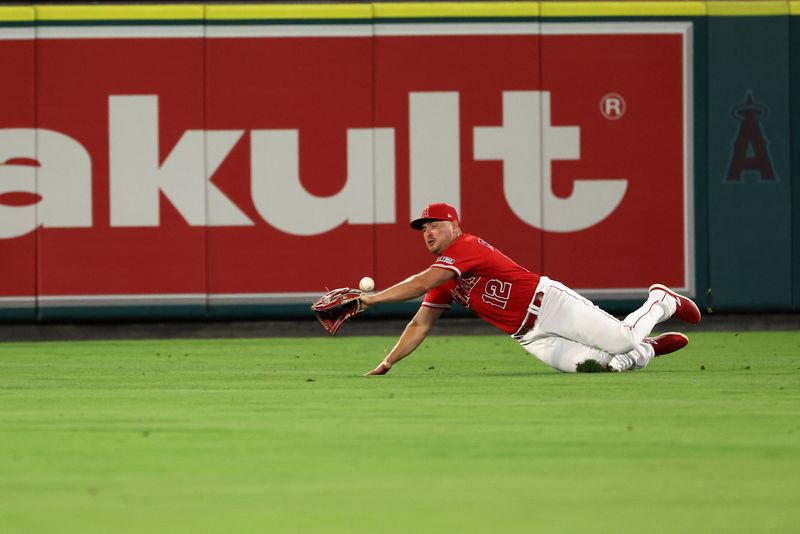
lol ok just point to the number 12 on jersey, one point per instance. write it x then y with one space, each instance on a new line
497 293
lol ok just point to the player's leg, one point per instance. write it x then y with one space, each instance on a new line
567 314
650 348
683 308
569 356
563 354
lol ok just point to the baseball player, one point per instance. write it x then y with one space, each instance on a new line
549 320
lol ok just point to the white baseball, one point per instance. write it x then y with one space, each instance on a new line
366 284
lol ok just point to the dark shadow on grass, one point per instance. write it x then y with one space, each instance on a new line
544 372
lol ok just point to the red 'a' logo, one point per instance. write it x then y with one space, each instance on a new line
750 152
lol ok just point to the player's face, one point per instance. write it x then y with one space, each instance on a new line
438 235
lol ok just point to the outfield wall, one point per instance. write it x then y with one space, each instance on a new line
233 161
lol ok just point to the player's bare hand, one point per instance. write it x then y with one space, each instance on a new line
382 369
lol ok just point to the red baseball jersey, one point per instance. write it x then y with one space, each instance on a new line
488 282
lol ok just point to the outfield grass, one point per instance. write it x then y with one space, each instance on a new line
468 435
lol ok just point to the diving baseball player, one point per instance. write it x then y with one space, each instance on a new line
548 319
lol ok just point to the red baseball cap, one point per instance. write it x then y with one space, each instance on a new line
438 211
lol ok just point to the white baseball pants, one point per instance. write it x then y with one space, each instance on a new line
570 329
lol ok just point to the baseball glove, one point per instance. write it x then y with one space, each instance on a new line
336 306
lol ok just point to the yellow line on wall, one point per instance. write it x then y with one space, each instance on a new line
744 8
455 9
288 11
622 9
119 12
394 10
17 14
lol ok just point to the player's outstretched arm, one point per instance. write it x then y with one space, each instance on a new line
414 334
410 288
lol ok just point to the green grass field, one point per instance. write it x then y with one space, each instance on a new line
470 434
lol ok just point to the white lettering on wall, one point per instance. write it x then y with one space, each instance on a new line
58 176
434 150
527 144
184 177
63 180
368 197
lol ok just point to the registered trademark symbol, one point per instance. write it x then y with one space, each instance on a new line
612 106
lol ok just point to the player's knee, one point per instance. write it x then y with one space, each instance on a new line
623 341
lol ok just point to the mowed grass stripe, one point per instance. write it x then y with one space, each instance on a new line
468 435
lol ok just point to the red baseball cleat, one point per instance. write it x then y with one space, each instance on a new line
686 310
667 343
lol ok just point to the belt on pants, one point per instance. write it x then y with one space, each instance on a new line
530 318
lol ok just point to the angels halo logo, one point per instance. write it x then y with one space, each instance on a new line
750 149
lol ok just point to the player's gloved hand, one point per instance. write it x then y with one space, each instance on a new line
382 369
337 306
